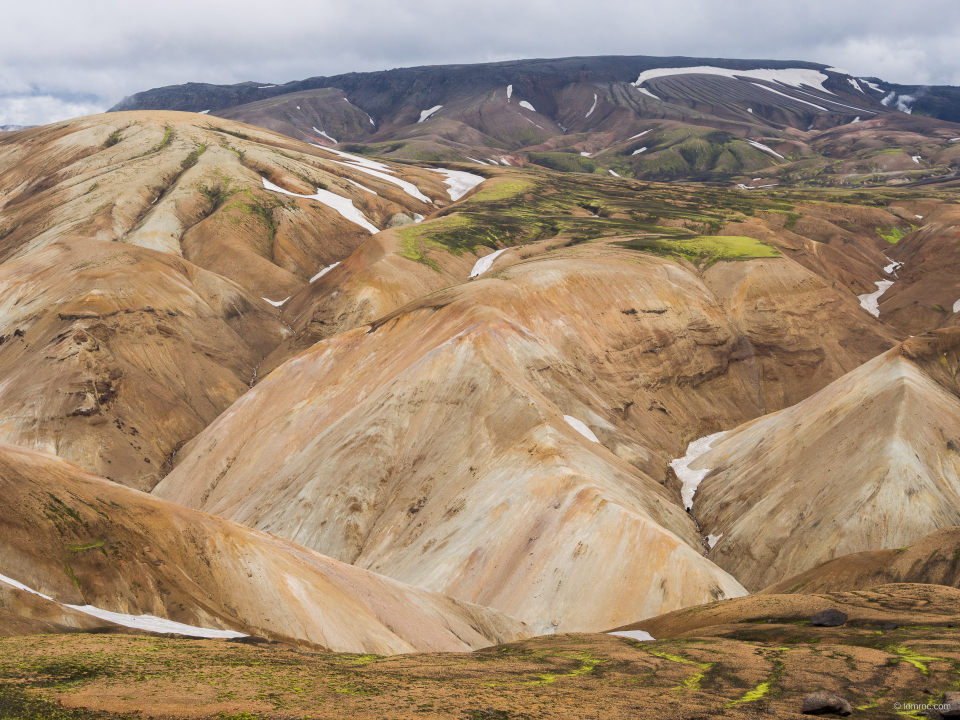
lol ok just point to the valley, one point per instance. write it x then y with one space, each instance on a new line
407 421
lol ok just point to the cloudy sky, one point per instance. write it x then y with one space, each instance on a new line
65 59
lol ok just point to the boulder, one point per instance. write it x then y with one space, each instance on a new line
825 703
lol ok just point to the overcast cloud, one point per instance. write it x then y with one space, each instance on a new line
62 59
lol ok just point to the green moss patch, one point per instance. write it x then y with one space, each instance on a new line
704 248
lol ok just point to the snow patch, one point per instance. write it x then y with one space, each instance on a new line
750 110
872 86
418 218
640 134
150 623
647 92
789 97
955 140
509 92
956 306
855 84
357 160
592 107
639 635
871 301
528 106
855 120
761 146
919 217
424 114
264 87
485 263
479 162
321 132
712 540
794 77
691 479
585 154
379 170
612 173
460 183
581 428
278 303
324 272
342 205
203 112
354 182
639 150
892 268
504 161
837 70
916 159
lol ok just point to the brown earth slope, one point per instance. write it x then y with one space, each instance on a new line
84 541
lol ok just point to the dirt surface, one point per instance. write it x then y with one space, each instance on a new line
757 668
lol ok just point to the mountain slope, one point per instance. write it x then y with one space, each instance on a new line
85 541
868 463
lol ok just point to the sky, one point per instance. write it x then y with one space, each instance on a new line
65 59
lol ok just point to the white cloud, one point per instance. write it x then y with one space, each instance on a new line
42 109
110 48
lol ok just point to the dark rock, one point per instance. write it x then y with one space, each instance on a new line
824 703
829 618
952 702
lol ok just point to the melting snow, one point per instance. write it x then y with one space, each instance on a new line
479 162
647 92
485 263
324 272
509 92
333 140
641 635
919 217
839 71
855 84
354 182
638 151
612 173
528 106
203 112
871 301
789 97
855 120
427 113
379 170
892 268
872 86
460 182
955 140
956 306
504 161
298 107
794 77
761 146
418 218
342 205
585 154
592 107
691 479
581 428
645 132
264 87
712 540
278 303
750 110
140 622
916 159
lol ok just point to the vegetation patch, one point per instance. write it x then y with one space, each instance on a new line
894 235
704 248
112 139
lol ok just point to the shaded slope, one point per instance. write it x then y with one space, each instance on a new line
82 540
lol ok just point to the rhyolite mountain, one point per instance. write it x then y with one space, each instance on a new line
646 117
262 382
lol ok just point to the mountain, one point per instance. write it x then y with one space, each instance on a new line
646 117
868 463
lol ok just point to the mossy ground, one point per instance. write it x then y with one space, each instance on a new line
733 671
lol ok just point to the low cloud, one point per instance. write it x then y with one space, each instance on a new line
106 49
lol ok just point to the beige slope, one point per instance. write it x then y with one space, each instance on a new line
868 463
82 540
394 447
136 253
